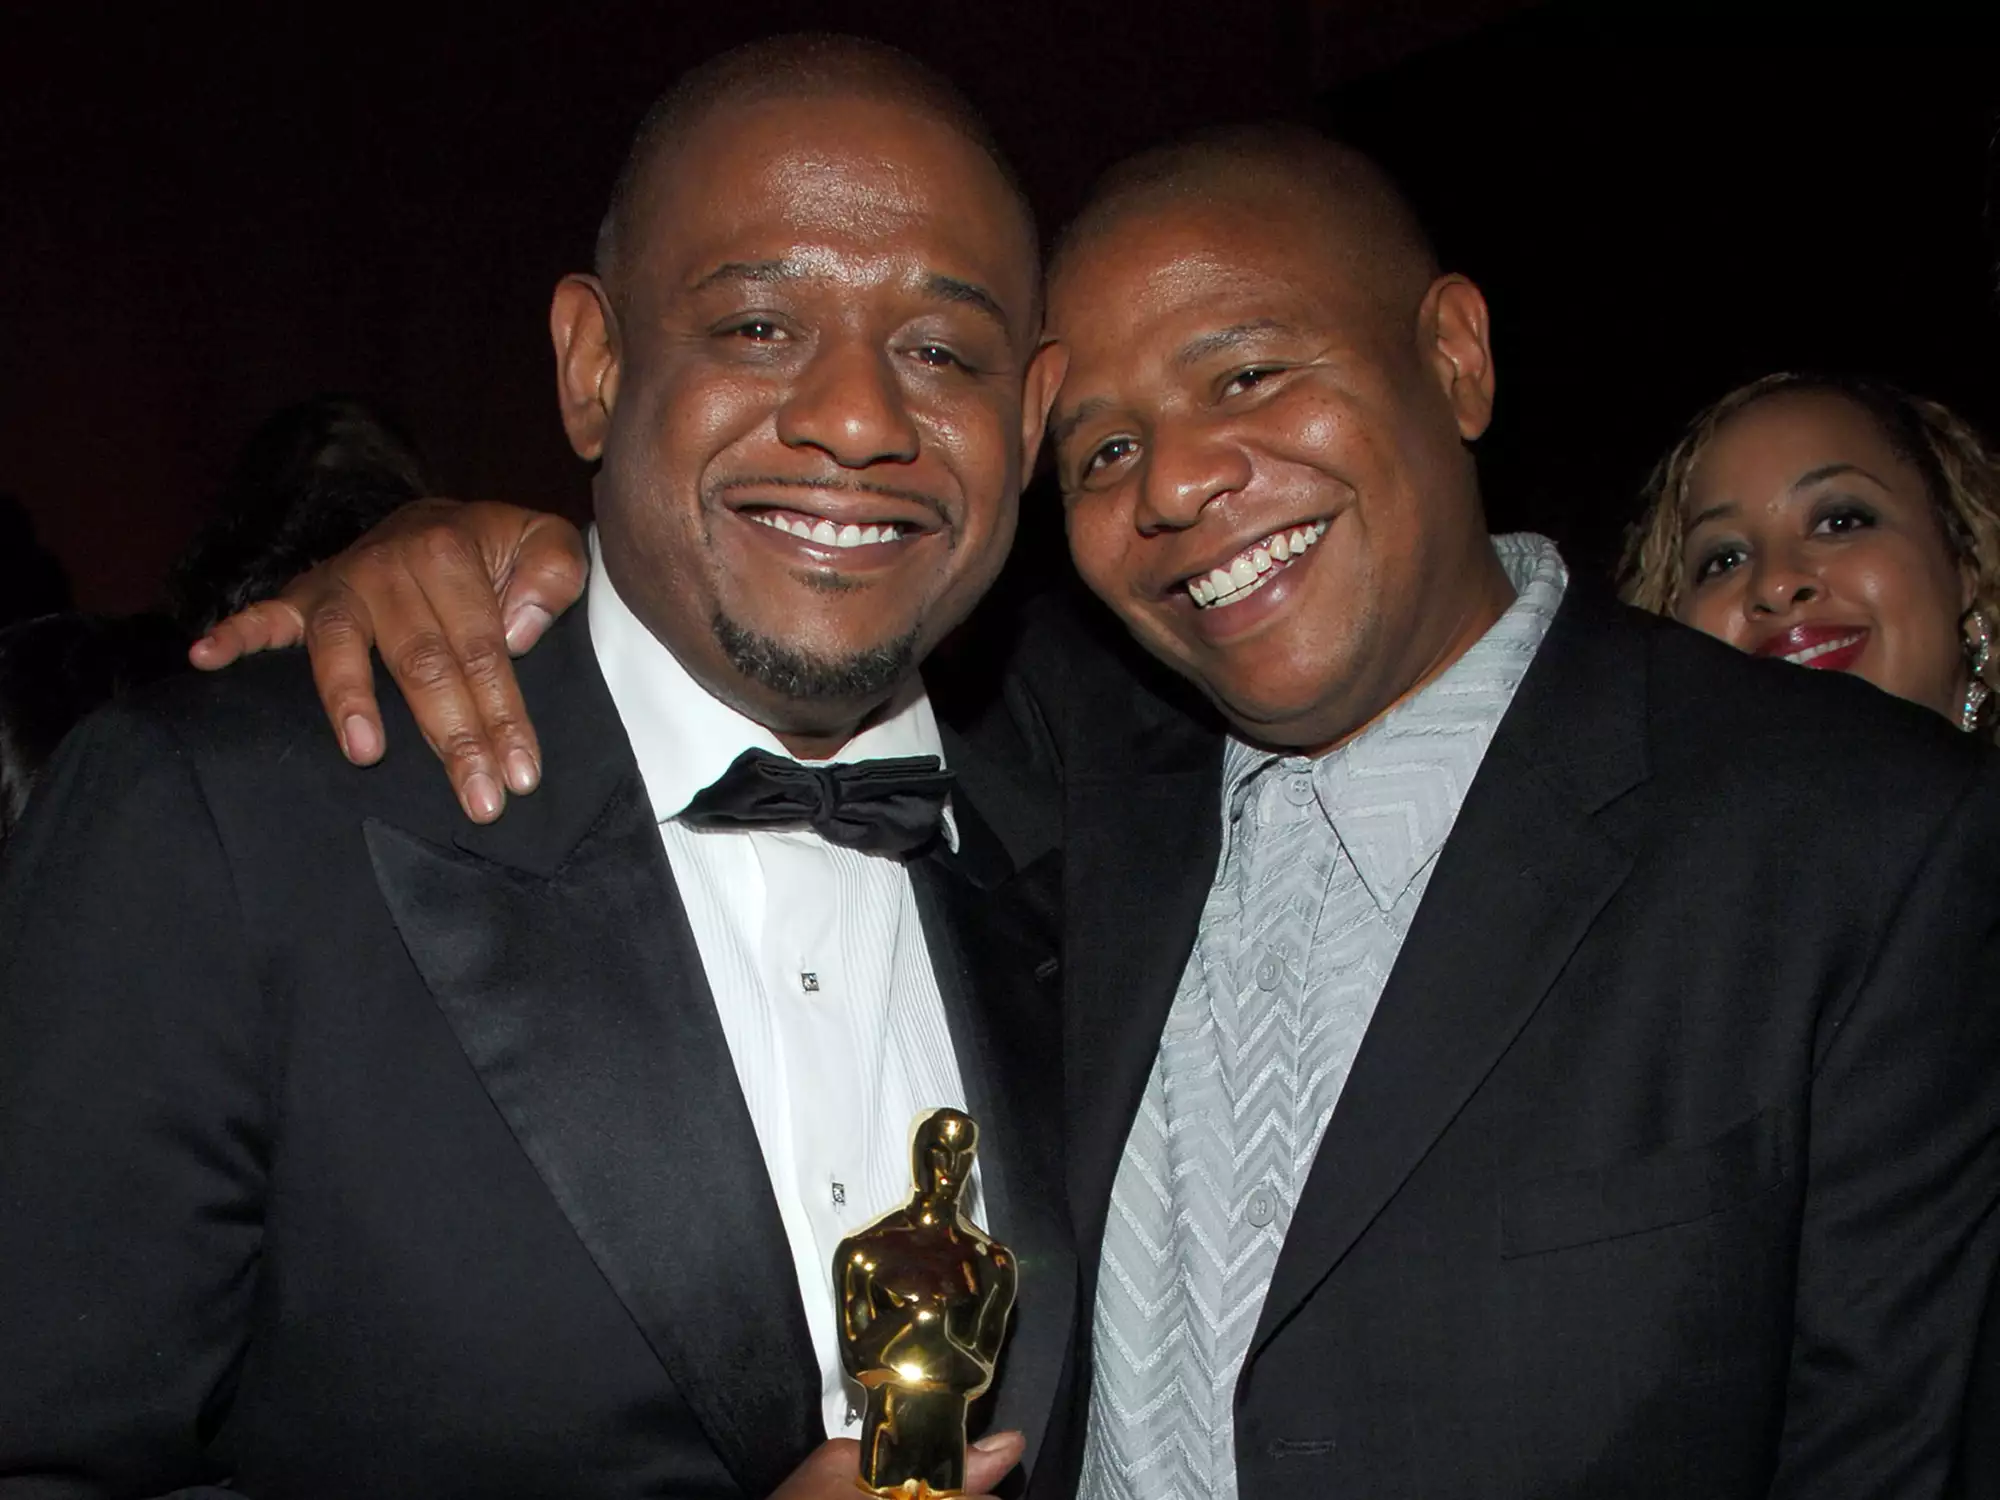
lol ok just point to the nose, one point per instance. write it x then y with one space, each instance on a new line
1187 469
848 404
1779 584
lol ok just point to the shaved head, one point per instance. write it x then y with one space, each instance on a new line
1370 230
810 371
1262 431
801 67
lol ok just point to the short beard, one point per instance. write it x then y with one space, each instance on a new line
802 677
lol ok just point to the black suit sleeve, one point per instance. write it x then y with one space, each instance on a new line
132 1122
1979 1453
1898 1243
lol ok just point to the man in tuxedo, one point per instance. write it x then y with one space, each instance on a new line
1515 1046
347 1148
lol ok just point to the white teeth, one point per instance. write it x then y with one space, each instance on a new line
825 533
1248 570
1813 653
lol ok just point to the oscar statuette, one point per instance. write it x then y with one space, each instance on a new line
924 1298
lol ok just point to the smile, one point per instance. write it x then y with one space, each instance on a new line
1825 648
1253 567
1812 654
822 532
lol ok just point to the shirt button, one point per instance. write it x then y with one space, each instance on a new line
1299 790
1268 973
1263 1207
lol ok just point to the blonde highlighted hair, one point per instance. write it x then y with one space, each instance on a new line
1960 473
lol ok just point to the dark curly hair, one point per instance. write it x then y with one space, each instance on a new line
1961 475
311 479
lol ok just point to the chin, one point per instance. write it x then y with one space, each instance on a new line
1268 721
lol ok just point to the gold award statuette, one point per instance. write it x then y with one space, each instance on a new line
924 1298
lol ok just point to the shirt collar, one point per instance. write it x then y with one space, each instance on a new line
1392 793
684 737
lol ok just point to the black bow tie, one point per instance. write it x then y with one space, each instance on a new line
888 807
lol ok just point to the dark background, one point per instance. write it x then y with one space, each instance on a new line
208 215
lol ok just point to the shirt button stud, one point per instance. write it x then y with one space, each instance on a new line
1268 973
1263 1207
1299 790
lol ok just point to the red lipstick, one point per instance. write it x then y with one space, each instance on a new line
1827 648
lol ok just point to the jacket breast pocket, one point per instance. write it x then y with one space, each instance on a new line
1677 1184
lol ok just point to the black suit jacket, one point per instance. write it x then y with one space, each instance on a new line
1669 1163
347 1148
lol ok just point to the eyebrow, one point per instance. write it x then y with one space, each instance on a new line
1068 422
1806 480
943 288
749 270
969 293
1829 471
1224 339
1192 352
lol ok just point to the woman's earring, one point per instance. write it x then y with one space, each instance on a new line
1978 646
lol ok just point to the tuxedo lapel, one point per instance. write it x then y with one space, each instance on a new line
1518 883
993 936
559 951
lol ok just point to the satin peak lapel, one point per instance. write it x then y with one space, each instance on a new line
994 937
578 995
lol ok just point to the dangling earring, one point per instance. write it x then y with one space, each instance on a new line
1978 646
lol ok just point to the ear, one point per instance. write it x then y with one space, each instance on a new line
1038 395
1452 327
585 333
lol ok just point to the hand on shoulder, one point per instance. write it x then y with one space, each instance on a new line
447 592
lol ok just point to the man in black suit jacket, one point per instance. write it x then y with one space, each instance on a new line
1669 1160
348 1148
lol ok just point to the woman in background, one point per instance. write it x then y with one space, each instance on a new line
1837 524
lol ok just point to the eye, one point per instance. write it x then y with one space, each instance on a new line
754 330
1839 520
1249 379
1716 561
938 357
1115 451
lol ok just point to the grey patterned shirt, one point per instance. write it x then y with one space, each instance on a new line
1323 864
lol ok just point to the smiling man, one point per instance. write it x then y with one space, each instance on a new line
348 1150
1515 1046
1518 1108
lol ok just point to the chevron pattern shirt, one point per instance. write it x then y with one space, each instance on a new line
1324 862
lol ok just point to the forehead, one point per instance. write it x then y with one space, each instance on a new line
1170 272
1778 439
816 181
